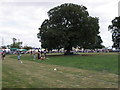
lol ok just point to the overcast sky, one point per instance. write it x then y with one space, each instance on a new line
22 18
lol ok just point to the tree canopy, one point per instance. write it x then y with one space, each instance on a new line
15 44
115 29
69 25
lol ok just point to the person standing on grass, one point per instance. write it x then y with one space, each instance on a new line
45 53
41 52
3 55
34 53
18 53
38 54
31 52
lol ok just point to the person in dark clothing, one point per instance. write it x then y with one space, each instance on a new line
41 52
3 55
45 53
38 54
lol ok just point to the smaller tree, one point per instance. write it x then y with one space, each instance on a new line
14 40
8 46
115 29
3 47
16 44
27 47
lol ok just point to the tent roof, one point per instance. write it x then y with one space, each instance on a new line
13 48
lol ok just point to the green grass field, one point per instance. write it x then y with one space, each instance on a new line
92 71
99 62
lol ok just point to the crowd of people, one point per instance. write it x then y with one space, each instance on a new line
40 55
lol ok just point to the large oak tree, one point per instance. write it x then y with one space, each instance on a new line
69 25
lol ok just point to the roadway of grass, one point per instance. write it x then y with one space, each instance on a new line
104 62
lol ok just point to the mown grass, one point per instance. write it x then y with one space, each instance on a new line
31 74
104 62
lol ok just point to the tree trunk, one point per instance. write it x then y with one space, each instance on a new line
69 48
